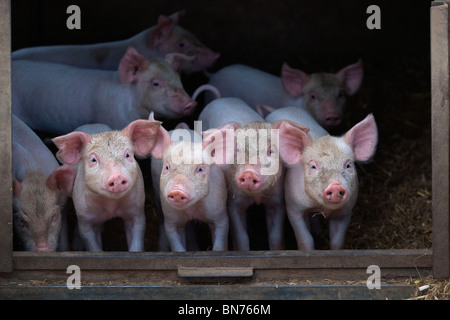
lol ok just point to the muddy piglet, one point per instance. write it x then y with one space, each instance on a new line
39 192
109 182
190 188
321 177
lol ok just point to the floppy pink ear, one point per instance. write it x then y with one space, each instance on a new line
293 80
363 138
293 139
218 144
143 135
70 146
352 77
163 30
131 63
62 178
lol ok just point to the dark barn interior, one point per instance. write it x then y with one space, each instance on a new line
394 204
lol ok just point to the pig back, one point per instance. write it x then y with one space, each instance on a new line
252 85
298 115
225 110
29 152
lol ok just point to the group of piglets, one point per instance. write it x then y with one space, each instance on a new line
260 139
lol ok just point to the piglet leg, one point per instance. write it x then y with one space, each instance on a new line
91 236
275 217
304 238
337 228
219 233
238 225
135 231
176 235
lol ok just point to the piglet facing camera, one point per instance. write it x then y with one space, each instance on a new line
321 176
109 182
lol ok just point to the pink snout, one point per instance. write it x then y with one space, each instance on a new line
43 246
117 184
189 108
249 180
177 198
332 119
335 193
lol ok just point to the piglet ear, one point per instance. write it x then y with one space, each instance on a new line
352 77
176 60
163 30
62 178
131 63
143 135
293 80
363 138
175 17
162 141
293 139
218 144
70 146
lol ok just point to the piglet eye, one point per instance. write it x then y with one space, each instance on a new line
181 44
313 96
93 159
200 169
166 168
348 165
313 165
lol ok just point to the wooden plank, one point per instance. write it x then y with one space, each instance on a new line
440 139
321 259
5 139
210 292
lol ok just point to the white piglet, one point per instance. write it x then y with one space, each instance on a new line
58 98
321 177
256 174
109 182
189 188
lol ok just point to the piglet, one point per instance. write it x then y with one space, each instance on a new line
108 181
189 188
58 98
255 176
39 192
321 94
321 176
156 42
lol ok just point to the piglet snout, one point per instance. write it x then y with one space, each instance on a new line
117 184
335 193
249 180
177 198
189 108
43 245
332 119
